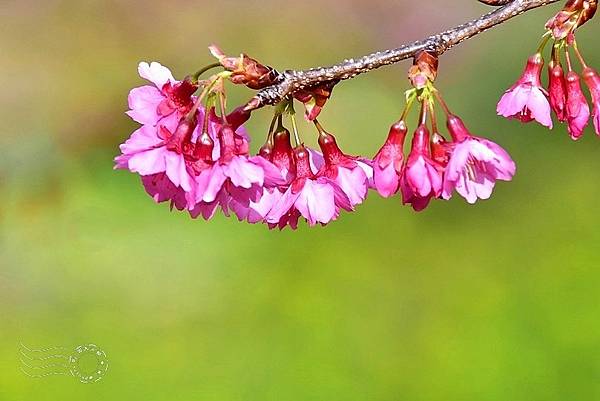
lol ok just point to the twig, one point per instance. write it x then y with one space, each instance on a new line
291 81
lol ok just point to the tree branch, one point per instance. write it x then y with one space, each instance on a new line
290 82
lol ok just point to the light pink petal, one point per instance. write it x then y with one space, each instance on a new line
457 162
466 188
122 162
259 210
417 177
200 184
143 103
317 161
244 173
316 203
215 183
156 73
148 162
386 180
142 139
513 101
367 166
272 175
540 107
435 178
282 206
484 190
176 171
354 183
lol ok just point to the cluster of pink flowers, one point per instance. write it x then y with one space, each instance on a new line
203 167
527 100
435 168
200 162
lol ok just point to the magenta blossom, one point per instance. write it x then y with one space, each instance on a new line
527 100
557 89
317 199
475 164
578 111
234 176
388 163
165 102
422 177
151 151
592 79
350 173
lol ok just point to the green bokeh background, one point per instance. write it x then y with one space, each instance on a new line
497 301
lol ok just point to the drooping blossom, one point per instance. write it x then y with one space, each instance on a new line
350 173
389 161
279 155
422 176
557 90
165 102
475 164
578 111
592 79
158 155
234 180
316 198
527 100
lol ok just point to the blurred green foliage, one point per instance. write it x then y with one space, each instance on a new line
497 301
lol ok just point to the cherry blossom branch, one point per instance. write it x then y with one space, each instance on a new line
290 82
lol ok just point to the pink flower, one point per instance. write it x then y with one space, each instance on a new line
349 173
578 111
154 151
234 180
283 155
387 164
475 164
557 88
526 100
317 199
592 79
165 102
422 177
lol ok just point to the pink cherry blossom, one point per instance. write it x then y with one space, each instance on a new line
349 173
592 79
578 111
234 180
165 102
527 100
388 163
557 89
151 151
475 164
280 156
422 176
317 199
